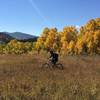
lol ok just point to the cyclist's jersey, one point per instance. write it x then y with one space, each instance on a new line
54 56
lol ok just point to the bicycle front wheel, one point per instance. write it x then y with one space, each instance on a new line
45 65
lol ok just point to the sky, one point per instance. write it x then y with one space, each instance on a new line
32 16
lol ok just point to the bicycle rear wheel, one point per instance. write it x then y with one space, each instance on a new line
59 66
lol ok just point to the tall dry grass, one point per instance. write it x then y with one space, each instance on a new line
21 78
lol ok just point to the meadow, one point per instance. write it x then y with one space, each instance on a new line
21 78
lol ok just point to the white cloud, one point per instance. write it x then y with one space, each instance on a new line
77 26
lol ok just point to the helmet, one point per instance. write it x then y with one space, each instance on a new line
51 51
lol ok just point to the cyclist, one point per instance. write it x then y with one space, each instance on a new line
53 57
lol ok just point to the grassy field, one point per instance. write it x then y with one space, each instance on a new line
21 78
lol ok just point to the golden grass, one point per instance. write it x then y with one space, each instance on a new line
21 78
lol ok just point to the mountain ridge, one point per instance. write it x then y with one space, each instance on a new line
7 36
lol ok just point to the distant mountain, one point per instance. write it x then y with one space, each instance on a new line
6 36
21 36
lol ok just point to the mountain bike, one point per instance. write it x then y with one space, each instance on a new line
50 65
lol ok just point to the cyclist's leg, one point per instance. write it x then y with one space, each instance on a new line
53 62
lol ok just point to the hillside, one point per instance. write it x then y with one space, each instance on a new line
6 36
21 36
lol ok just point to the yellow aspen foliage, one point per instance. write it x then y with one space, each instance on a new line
97 23
71 47
79 46
51 38
39 43
45 33
69 33
14 47
68 41
64 48
96 36
87 39
90 25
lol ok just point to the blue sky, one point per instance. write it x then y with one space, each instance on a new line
31 16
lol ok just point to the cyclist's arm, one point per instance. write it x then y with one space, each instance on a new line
50 56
